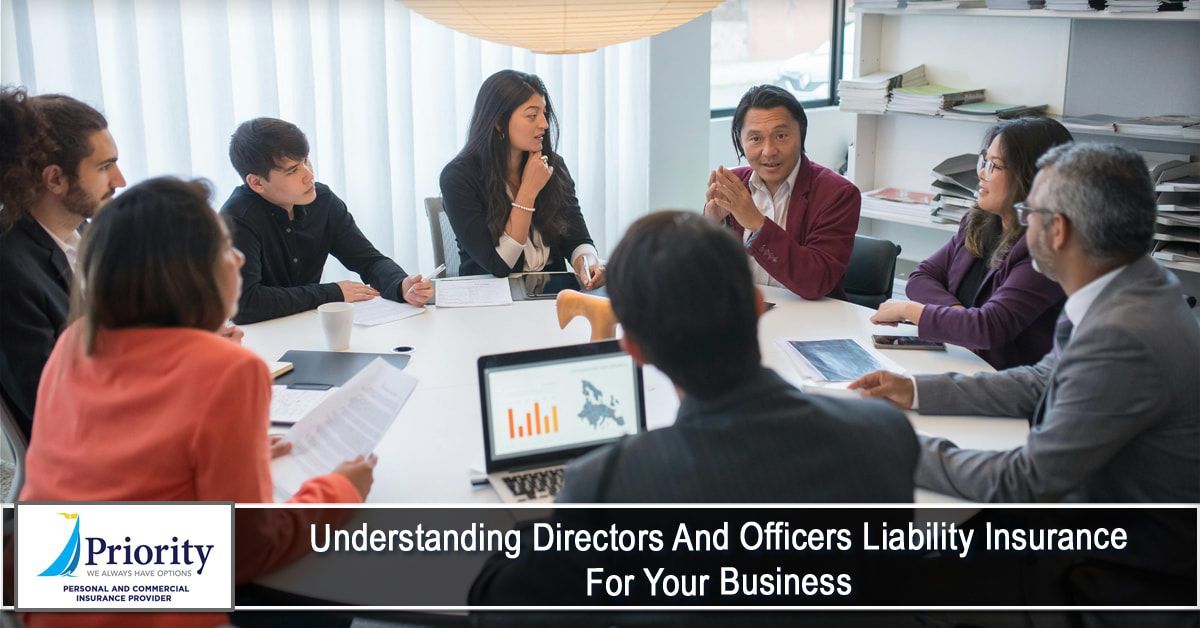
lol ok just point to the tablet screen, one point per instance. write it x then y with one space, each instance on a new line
549 284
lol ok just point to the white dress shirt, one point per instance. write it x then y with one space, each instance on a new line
70 246
774 207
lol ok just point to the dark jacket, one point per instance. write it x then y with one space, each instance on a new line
285 259
1014 322
35 287
464 204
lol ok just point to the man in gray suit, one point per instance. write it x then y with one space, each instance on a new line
682 289
1114 408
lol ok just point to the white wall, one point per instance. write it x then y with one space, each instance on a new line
679 111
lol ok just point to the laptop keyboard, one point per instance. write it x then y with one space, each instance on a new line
535 484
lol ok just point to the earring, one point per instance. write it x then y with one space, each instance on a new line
501 134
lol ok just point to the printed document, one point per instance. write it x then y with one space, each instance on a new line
379 310
472 291
289 405
349 422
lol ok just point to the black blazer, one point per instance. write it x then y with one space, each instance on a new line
35 284
462 200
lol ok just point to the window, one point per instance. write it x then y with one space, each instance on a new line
789 43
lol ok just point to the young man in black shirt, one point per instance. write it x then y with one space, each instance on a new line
287 224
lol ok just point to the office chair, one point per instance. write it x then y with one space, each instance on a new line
597 310
12 463
872 271
445 244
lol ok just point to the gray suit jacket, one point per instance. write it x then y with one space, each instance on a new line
763 442
1122 414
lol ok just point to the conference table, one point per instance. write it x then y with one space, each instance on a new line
436 442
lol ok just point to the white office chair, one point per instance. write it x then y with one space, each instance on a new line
445 244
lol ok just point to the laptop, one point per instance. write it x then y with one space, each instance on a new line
543 408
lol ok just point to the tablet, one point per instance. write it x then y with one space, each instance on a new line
548 285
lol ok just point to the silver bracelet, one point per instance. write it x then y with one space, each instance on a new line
520 206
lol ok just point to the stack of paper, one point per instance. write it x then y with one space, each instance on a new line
869 94
899 202
1178 202
869 5
1176 126
1091 122
1132 6
473 291
931 99
1016 5
1075 5
1173 177
1178 252
925 5
991 111
955 182
379 310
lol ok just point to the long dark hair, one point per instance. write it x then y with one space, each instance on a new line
25 149
1024 141
149 260
487 146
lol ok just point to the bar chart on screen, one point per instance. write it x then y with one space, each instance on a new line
535 423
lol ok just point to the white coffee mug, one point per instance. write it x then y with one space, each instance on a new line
337 319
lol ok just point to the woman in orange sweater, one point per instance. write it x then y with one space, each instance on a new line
142 401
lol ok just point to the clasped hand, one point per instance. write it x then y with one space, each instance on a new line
728 196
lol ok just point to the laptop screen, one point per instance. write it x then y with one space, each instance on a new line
558 403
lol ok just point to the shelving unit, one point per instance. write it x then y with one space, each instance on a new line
1170 16
1125 64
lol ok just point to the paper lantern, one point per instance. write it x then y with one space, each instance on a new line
561 26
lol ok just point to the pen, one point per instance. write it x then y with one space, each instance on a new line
587 269
433 273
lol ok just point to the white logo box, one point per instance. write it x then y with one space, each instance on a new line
76 556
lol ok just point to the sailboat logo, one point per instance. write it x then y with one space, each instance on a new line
68 558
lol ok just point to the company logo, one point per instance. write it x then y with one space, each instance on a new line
68 558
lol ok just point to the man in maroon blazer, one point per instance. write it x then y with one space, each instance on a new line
796 218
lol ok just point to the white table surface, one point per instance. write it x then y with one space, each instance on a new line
437 438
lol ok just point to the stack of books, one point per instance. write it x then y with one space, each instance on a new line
869 94
930 100
907 203
992 111
955 183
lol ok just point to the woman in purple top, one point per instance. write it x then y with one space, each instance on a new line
981 290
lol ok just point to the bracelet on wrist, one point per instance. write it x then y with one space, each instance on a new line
520 206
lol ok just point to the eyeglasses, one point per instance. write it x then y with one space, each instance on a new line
1024 210
987 167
